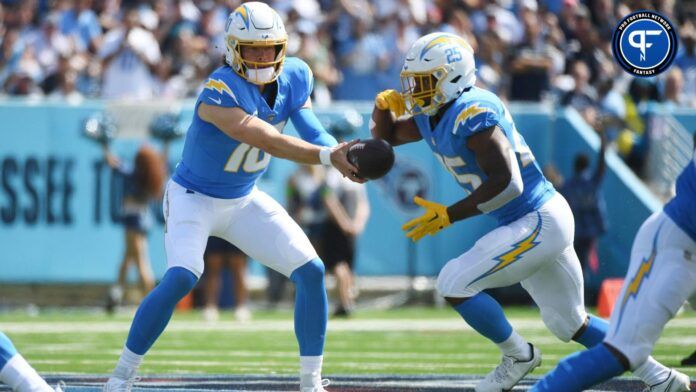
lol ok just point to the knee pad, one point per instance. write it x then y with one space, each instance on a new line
564 326
309 273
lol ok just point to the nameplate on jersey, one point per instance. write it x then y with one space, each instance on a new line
470 112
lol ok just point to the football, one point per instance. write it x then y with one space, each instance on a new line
373 158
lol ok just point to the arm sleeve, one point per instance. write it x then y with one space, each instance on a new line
310 129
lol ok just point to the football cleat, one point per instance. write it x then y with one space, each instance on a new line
675 382
509 372
313 383
120 385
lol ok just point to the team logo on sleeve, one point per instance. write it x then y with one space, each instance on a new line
470 112
644 43
219 86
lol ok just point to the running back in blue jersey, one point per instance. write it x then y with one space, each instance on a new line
215 164
682 208
475 111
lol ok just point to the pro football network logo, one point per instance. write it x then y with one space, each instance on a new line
644 43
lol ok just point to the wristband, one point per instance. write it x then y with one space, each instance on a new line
325 156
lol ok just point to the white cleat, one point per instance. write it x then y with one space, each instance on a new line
313 383
509 372
675 382
120 385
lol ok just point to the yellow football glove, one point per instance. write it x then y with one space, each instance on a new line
434 219
391 100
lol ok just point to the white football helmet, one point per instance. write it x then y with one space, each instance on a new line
437 69
255 24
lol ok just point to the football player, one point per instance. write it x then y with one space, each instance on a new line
661 276
17 373
236 129
472 134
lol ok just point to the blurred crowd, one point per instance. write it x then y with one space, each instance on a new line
526 50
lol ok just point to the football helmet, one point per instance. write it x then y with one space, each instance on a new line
437 69
258 25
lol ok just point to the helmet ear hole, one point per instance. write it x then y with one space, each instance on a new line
456 79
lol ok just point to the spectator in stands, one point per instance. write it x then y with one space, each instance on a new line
320 60
582 97
143 182
583 193
686 61
347 211
533 61
129 55
77 19
673 95
218 254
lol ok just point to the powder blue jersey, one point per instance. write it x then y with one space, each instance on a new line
682 208
215 164
474 111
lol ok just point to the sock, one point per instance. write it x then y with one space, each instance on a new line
7 350
484 314
652 372
157 308
594 333
580 371
515 346
310 371
309 365
21 377
311 308
128 364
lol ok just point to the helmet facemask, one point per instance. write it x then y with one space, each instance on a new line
422 91
254 71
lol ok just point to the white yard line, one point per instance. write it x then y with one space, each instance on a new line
396 325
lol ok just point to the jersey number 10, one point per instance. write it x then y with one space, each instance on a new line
249 159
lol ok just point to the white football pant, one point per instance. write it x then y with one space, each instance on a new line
256 224
661 276
535 250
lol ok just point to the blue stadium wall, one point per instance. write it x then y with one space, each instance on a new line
59 216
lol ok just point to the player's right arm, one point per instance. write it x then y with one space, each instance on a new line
241 126
383 125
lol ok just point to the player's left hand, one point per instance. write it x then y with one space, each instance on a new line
339 160
434 219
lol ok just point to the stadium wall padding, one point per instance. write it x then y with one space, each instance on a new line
59 205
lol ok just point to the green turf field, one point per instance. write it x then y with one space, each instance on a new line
402 341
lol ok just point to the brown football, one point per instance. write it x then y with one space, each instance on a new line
373 158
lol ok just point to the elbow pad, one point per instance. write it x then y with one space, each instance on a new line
310 129
511 191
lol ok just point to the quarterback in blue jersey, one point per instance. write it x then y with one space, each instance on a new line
472 134
237 127
661 276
